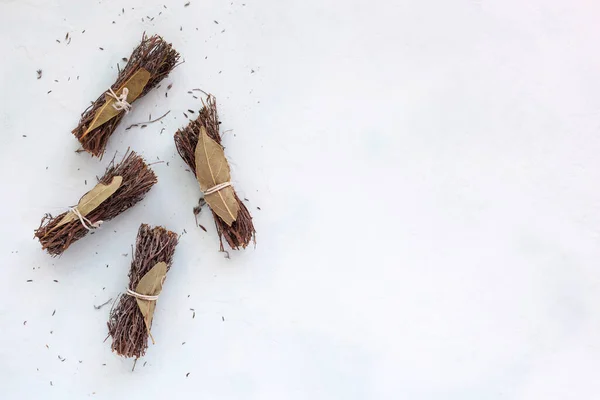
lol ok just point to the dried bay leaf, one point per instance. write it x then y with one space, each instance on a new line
212 169
135 84
150 285
92 199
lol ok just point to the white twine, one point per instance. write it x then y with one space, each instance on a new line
141 296
146 296
83 220
216 188
120 101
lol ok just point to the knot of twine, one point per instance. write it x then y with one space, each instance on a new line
216 188
120 101
84 221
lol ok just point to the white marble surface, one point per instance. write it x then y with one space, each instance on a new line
428 175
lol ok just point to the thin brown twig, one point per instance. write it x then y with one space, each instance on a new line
200 90
148 122
103 304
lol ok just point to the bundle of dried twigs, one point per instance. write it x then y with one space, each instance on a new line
153 55
127 325
136 178
241 231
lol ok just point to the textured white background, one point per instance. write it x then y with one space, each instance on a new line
428 176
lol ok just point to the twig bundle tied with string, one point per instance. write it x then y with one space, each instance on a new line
199 144
130 321
121 187
149 63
